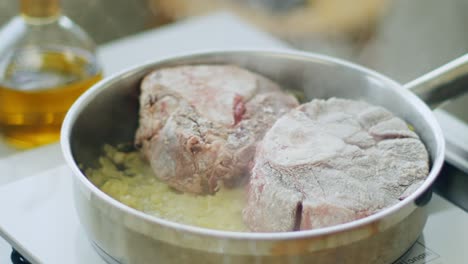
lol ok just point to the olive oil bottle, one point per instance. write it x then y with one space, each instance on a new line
46 63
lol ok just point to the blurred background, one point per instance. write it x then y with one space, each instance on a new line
400 38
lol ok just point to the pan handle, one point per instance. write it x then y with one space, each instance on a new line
442 84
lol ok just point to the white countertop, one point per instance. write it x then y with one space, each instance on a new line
35 197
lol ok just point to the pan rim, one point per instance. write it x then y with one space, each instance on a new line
81 103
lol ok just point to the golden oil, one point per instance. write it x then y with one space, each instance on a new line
37 88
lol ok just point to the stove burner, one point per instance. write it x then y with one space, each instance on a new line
17 258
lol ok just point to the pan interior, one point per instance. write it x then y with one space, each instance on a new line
110 113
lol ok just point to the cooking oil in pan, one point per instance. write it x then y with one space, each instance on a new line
37 88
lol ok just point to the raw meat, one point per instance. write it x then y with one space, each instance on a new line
332 161
199 125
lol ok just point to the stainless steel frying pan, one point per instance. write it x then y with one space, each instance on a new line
107 113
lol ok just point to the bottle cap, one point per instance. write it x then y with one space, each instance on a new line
40 8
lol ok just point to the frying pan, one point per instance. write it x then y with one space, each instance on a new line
107 114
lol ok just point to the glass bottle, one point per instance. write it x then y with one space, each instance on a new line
46 62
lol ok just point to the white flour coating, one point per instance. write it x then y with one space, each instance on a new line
199 125
332 161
